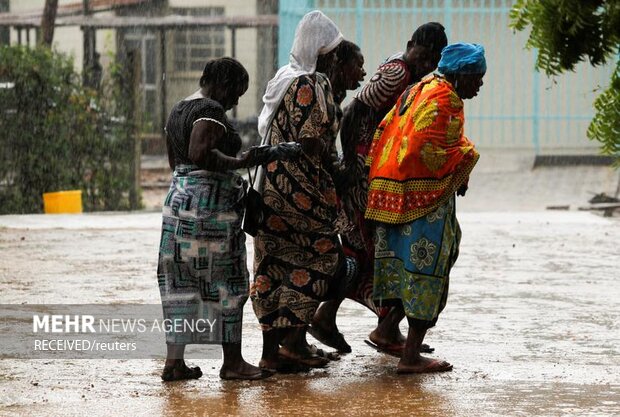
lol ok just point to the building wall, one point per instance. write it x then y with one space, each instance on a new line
182 84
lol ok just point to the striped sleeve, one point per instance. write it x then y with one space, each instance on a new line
384 88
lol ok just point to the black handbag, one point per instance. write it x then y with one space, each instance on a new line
254 208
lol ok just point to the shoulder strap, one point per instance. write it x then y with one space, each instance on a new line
259 174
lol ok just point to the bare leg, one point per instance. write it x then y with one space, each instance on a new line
175 354
175 368
411 356
412 361
271 344
295 340
325 316
324 327
387 331
235 367
272 359
295 347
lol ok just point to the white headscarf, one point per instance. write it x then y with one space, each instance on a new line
315 35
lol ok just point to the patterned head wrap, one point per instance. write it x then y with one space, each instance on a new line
462 58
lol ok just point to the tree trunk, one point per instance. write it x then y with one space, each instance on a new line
47 22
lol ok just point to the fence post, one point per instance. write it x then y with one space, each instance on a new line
134 71
536 108
164 81
359 21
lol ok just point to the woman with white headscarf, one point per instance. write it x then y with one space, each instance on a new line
297 251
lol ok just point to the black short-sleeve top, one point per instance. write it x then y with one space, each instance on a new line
181 121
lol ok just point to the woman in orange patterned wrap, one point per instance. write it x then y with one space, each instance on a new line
419 160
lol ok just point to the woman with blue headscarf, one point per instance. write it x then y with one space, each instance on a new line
419 161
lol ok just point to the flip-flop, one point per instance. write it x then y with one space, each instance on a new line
396 349
332 339
436 365
262 374
332 356
180 374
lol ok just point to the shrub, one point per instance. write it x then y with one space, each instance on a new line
57 135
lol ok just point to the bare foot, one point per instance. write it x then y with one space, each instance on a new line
305 358
332 356
282 365
380 339
393 336
244 371
180 372
332 338
423 365
394 343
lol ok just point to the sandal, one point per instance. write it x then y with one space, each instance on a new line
396 349
332 356
176 373
332 339
435 365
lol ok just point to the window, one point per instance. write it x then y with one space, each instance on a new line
192 47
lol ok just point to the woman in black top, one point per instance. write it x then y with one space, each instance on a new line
202 272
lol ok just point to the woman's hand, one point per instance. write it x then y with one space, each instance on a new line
261 155
462 190
285 151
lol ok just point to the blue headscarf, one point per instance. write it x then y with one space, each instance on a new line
462 58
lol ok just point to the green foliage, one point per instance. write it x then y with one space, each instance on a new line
56 135
605 126
566 32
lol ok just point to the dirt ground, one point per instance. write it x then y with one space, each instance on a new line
531 327
531 324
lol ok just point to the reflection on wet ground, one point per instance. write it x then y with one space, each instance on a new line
531 328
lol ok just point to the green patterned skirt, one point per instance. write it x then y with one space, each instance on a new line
413 262
202 271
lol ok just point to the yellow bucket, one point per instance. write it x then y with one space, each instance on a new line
62 202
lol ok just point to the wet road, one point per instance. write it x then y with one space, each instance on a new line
531 327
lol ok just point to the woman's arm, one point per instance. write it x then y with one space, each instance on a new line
203 152
350 131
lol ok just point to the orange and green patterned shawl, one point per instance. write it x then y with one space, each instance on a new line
419 156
